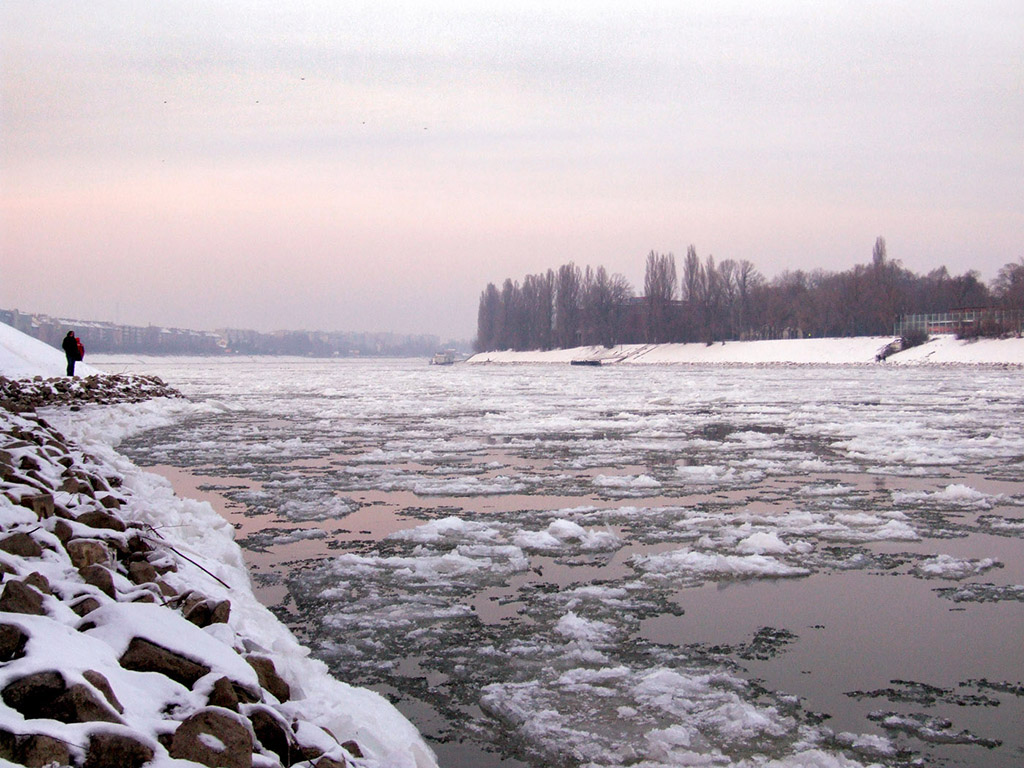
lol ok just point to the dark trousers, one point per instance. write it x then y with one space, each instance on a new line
71 366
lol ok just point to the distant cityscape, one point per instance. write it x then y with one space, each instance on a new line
114 338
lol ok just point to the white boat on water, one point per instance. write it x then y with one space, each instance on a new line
443 358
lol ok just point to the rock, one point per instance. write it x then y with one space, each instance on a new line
18 597
41 504
165 589
309 753
101 684
62 530
273 734
141 572
47 695
352 748
137 545
12 642
208 612
99 577
85 606
268 677
221 612
229 694
72 485
98 519
329 762
8 740
192 740
37 581
28 463
116 750
22 545
110 501
86 552
35 750
145 656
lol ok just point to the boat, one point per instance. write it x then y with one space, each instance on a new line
443 358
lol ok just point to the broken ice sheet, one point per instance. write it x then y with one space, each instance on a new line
953 568
837 472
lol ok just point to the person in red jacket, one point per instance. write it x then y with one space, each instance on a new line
73 351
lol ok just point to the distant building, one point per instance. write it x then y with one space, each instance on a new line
104 337
971 321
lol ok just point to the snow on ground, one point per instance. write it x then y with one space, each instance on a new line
838 351
22 357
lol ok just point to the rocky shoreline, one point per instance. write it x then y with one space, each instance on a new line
108 658
26 395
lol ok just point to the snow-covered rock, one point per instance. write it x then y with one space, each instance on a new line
129 631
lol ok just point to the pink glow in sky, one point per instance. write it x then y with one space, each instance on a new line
372 166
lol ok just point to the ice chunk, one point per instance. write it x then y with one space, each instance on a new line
949 567
684 561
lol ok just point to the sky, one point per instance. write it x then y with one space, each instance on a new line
339 165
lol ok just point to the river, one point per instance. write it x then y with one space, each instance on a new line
666 565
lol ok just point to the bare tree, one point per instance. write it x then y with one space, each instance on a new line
1008 286
568 289
488 320
660 294
604 303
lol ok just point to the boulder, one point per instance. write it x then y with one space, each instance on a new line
145 656
73 485
116 750
99 577
137 545
229 694
109 501
141 572
19 597
273 734
85 606
104 520
85 552
352 748
101 684
208 612
61 529
37 581
215 738
12 642
34 750
47 695
22 545
268 677
41 504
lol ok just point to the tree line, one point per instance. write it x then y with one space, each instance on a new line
708 301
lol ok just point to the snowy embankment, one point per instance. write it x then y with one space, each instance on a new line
839 351
130 633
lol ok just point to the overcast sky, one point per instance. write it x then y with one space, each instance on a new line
339 165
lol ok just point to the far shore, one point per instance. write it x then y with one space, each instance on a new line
939 350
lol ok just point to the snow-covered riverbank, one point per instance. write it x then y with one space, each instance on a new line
130 634
840 351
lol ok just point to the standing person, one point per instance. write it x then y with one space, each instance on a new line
72 350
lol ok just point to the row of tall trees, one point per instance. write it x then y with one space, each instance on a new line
712 301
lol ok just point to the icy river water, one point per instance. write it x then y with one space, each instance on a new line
666 565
